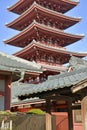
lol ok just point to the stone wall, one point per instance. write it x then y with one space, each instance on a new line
23 122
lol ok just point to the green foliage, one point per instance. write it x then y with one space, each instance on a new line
36 111
7 112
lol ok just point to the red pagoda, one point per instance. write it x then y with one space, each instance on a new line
41 24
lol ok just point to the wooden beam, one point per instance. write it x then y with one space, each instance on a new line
76 106
58 97
79 86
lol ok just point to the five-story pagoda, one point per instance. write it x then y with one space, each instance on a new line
41 24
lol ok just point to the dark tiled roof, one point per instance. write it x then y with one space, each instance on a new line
77 63
13 63
65 79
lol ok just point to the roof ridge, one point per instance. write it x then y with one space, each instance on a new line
76 61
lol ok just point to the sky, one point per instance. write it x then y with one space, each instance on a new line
79 28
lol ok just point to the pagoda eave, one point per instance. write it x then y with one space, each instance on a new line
72 2
17 7
42 12
38 29
41 48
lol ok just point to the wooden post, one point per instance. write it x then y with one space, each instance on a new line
8 93
48 106
48 122
84 112
48 115
70 117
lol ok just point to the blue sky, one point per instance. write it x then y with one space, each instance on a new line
79 28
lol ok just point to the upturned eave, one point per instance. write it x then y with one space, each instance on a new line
54 50
23 4
32 12
32 30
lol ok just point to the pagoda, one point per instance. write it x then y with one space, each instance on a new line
42 35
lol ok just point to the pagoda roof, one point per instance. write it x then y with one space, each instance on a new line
18 6
37 9
22 39
56 84
48 48
15 64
